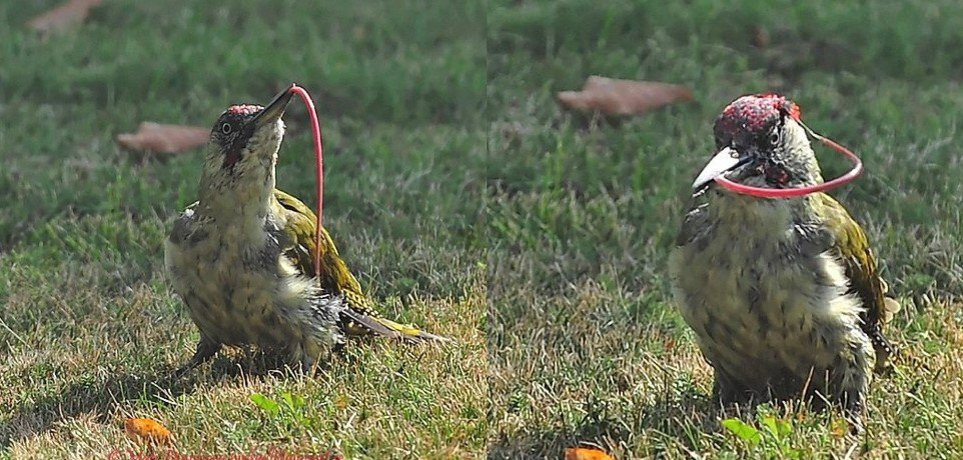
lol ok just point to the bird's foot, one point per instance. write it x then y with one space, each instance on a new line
854 412
206 350
855 421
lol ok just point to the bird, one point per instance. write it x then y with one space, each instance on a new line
242 257
784 295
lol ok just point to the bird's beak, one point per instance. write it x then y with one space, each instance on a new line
274 110
724 161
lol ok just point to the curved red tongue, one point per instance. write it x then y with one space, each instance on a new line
319 173
761 192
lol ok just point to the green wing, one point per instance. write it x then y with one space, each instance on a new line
299 236
298 244
850 244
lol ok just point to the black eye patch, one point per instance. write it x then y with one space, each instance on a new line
762 133
233 130
234 147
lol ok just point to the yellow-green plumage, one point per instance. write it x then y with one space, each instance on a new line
299 243
783 294
852 248
242 257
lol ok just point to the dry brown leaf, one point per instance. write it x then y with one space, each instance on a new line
67 16
155 137
585 453
147 431
760 37
623 97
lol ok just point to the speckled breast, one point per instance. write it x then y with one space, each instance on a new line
230 292
761 312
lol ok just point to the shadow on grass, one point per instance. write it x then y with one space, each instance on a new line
103 396
680 416
100 396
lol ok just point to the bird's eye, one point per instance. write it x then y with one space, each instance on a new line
774 138
226 128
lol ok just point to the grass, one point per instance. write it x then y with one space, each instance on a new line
89 327
585 344
467 202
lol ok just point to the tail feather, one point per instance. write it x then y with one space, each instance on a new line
410 332
390 329
884 349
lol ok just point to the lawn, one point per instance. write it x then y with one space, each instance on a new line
89 327
467 202
585 344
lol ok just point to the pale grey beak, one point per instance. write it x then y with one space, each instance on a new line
274 110
726 160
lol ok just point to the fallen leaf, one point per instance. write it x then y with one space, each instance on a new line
622 97
760 37
585 453
159 138
67 16
147 431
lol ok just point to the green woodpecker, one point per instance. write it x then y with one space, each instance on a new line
242 257
783 294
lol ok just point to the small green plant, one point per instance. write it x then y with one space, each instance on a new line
743 430
291 410
266 404
773 436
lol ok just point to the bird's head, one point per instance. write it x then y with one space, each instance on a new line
760 142
242 151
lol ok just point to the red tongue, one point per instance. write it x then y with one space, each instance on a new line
319 159
801 191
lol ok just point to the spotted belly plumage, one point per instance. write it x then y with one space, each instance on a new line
772 313
252 296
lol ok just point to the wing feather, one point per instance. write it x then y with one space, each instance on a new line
298 236
851 246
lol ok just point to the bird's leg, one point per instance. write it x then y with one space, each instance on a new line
308 365
854 416
728 390
314 360
299 359
206 349
852 402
